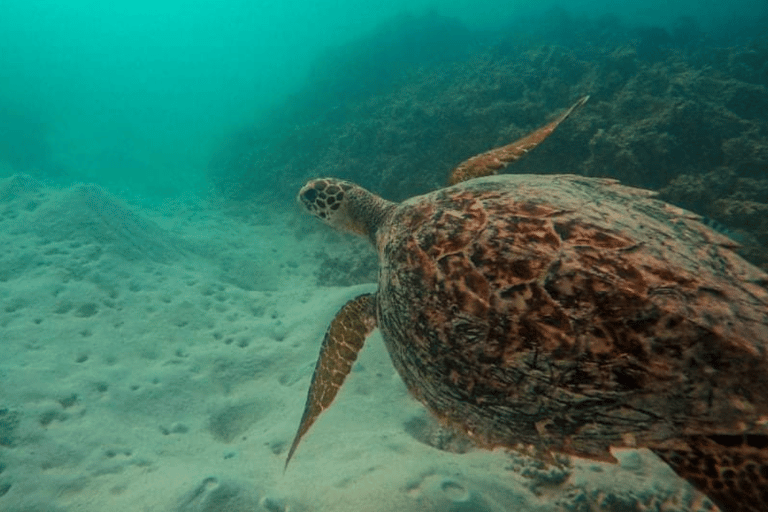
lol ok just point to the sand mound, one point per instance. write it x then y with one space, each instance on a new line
87 214
138 374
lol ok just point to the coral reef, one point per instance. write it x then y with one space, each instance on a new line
669 110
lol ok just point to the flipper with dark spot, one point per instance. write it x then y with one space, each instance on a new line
732 470
494 160
343 340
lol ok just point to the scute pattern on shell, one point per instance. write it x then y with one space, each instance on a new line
572 314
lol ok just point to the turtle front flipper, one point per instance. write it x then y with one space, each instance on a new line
343 340
732 470
494 160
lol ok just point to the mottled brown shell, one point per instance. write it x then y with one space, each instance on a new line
571 314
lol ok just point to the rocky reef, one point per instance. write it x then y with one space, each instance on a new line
671 110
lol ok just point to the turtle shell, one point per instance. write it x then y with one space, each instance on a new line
571 314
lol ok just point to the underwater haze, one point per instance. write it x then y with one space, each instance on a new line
135 93
164 296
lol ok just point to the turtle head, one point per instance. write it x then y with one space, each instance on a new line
344 205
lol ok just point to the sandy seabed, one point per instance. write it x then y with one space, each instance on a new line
159 361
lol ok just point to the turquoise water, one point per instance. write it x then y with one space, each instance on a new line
163 298
142 92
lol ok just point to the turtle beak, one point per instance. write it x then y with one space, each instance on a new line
307 197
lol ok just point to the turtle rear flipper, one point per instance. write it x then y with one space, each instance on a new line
732 470
343 340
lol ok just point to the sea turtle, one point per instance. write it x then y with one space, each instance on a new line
565 313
